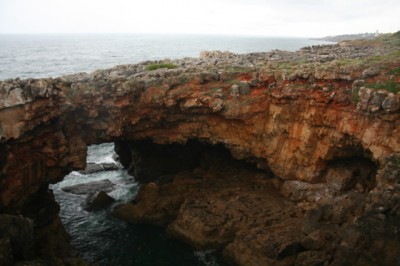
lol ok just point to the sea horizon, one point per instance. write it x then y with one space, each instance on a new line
53 55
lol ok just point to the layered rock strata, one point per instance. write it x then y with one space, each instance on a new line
324 121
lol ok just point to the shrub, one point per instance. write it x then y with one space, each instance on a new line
160 65
390 85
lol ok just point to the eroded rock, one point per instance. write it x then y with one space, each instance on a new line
90 187
95 167
99 200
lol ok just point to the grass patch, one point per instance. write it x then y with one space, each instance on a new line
160 65
390 85
394 71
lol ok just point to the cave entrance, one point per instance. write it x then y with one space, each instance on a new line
148 162
101 238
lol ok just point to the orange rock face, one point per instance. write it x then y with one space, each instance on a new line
300 124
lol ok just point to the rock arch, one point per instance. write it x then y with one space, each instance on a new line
46 124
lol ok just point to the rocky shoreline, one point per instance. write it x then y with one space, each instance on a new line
309 171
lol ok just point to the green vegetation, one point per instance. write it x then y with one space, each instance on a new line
395 71
390 85
390 39
160 65
354 95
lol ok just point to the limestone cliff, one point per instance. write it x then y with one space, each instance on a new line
323 121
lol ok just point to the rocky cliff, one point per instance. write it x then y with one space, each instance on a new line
319 127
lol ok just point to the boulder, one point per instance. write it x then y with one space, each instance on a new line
370 72
97 201
94 168
377 100
391 103
91 187
234 91
208 77
303 191
364 98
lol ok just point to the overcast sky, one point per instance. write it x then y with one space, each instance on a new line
306 18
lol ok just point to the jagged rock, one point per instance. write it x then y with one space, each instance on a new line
391 103
95 167
364 98
377 100
208 77
302 191
234 91
291 129
97 201
370 72
358 83
90 187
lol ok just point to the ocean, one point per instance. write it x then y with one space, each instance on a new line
53 55
107 241
97 236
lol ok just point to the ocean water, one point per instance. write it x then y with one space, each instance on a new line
52 55
106 241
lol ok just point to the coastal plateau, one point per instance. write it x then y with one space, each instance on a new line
275 158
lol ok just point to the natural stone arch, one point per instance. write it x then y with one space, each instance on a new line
46 124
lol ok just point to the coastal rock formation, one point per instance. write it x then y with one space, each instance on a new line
320 124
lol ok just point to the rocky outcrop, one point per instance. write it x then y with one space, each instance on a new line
311 118
90 187
97 201
99 167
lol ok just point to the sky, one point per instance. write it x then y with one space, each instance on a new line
291 18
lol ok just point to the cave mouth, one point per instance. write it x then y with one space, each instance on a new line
148 161
102 239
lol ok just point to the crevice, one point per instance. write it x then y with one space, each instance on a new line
354 172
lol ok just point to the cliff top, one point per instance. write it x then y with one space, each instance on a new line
343 68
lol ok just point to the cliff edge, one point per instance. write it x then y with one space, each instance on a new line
319 127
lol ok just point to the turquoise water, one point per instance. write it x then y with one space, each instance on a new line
33 56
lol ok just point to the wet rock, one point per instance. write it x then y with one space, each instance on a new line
94 168
97 201
90 187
